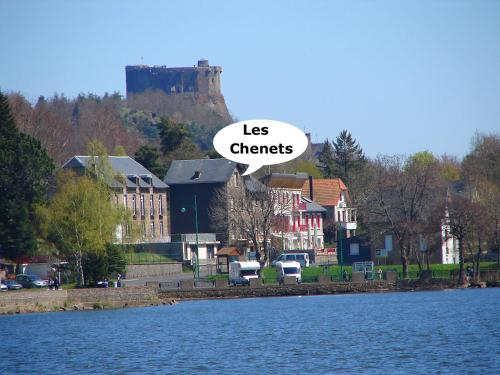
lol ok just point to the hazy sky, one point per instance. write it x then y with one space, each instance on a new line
401 76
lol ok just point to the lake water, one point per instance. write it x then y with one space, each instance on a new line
392 333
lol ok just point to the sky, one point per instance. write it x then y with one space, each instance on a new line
401 76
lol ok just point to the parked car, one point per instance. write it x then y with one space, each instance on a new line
302 258
3 287
31 281
12 284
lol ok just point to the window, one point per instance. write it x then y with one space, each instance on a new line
151 205
142 205
160 205
210 251
161 229
338 216
388 242
354 249
152 225
125 202
319 221
134 205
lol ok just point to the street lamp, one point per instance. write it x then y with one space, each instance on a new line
183 210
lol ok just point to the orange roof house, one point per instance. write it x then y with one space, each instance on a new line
326 192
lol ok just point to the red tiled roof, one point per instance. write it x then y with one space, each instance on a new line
228 251
326 192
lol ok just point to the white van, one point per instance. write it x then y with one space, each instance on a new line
240 273
302 258
288 268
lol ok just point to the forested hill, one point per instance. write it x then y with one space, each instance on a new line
66 126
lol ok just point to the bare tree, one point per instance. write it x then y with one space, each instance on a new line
401 198
248 211
462 216
481 168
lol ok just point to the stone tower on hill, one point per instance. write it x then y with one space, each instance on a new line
187 93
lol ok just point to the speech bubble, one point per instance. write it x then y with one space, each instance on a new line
260 142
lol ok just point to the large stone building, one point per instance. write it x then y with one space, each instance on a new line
204 79
139 191
203 178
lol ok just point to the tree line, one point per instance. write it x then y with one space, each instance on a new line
417 197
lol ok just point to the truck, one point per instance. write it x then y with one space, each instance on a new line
288 268
240 272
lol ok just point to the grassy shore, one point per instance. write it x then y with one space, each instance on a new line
309 274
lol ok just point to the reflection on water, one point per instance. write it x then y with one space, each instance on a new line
420 333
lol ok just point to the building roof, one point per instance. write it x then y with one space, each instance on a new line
312 206
135 174
228 251
200 171
325 191
285 180
253 185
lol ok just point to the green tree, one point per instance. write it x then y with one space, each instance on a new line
348 157
326 160
98 266
81 220
25 171
148 156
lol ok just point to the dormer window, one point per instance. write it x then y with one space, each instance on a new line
196 175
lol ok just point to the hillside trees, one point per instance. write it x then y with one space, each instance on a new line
25 173
176 141
149 156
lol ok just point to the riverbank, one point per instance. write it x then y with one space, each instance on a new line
28 301
153 295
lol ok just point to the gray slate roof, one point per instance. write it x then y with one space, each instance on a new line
200 171
125 166
312 206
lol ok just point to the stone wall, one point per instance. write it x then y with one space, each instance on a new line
118 297
76 299
277 290
31 300
150 270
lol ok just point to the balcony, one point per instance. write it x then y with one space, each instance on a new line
350 225
299 207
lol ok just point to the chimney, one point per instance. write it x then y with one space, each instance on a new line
311 190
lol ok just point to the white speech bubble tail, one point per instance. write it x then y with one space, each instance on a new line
252 168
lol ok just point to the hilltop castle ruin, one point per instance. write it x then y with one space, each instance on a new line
204 79
186 93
